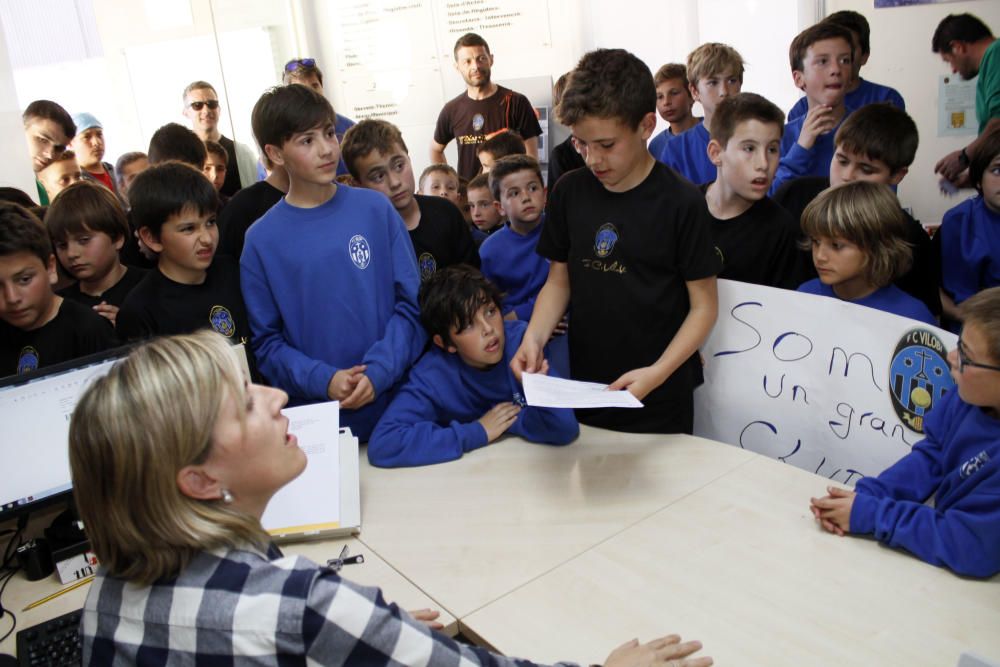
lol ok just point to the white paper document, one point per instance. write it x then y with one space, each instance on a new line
310 502
544 391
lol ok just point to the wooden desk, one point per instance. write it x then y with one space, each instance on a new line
472 530
741 565
373 572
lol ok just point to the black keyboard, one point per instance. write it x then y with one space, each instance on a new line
54 642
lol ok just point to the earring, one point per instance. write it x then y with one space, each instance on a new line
227 497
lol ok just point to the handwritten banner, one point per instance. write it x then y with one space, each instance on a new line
827 386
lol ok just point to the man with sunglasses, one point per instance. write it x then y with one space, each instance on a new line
201 107
48 129
957 465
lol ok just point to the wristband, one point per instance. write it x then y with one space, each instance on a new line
963 157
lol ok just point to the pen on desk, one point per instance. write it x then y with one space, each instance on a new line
71 587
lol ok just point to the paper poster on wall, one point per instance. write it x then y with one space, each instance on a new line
828 386
507 26
386 60
956 107
372 35
400 97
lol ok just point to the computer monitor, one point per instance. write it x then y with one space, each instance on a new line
35 410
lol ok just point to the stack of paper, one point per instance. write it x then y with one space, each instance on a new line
325 499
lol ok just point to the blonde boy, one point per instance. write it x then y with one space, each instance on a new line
715 71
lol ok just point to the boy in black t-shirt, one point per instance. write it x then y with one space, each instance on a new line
173 206
39 328
378 159
631 254
88 228
755 238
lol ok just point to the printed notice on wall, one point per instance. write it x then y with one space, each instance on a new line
394 60
956 107
828 386
509 26
387 65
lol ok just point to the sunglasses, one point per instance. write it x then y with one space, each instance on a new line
300 62
963 360
199 105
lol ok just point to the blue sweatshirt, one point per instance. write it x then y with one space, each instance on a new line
958 463
330 287
509 260
797 161
867 93
435 415
890 299
970 249
687 153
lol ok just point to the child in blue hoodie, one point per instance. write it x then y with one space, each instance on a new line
957 464
462 395
328 273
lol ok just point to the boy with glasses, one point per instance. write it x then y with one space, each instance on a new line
956 465
201 107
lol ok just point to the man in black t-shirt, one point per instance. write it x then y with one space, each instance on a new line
484 109
377 158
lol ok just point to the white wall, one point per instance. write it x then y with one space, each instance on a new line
902 58
15 169
657 32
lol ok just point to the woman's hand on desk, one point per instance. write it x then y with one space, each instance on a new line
428 617
663 651
834 510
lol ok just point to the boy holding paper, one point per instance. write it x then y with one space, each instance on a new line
629 244
462 395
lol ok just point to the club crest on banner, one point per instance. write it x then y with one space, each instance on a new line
919 375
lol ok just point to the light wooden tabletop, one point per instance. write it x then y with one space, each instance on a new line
472 530
741 565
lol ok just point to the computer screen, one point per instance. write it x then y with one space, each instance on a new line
35 411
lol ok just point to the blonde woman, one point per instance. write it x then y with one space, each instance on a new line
174 459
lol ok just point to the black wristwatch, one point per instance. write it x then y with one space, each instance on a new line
963 157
